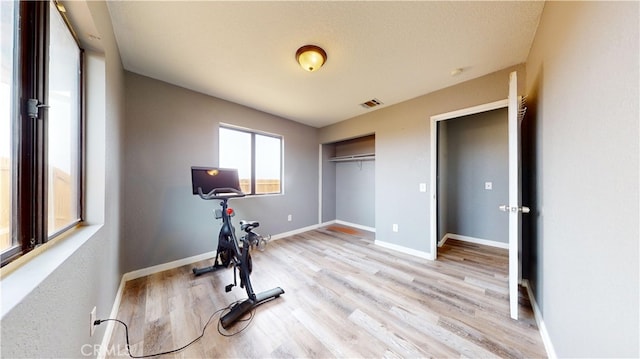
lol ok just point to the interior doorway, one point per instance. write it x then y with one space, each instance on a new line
473 178
513 208
473 186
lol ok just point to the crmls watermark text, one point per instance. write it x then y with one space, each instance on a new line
92 350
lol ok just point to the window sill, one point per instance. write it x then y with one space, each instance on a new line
22 276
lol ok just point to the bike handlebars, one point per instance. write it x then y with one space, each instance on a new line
221 193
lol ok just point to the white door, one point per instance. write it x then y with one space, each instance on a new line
514 208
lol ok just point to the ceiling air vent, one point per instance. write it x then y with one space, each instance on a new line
371 103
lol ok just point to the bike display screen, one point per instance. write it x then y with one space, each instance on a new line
210 178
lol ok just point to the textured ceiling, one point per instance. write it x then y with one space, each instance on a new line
393 51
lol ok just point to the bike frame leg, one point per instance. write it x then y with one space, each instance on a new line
241 309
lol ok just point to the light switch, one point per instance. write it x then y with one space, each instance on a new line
423 187
488 185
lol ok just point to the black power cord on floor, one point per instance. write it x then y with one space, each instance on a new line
126 331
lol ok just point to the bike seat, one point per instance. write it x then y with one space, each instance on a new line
248 225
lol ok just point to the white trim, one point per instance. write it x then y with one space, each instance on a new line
485 242
166 266
514 193
471 110
320 183
300 230
354 225
410 251
434 159
434 188
542 328
106 338
443 240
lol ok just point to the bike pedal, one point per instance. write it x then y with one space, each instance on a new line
228 288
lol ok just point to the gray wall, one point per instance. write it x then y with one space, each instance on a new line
349 186
402 152
52 321
355 192
582 81
169 129
473 150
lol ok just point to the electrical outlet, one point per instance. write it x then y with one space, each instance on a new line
92 318
488 185
394 227
289 218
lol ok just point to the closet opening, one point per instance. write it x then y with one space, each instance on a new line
347 187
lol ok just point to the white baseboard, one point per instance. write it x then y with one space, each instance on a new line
300 230
166 266
475 240
546 340
442 241
102 353
354 225
395 247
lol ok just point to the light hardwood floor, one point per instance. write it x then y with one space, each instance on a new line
344 297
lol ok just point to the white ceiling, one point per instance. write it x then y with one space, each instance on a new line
244 51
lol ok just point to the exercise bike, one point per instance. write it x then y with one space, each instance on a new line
222 185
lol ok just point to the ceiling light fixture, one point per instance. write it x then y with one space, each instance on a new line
311 57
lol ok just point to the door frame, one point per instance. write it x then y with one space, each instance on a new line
434 159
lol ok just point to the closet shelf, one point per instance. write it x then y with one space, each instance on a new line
358 157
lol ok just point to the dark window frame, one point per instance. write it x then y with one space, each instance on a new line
253 134
29 152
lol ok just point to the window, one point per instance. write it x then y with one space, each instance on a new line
63 150
257 156
7 32
40 125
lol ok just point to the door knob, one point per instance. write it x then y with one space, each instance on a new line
523 209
